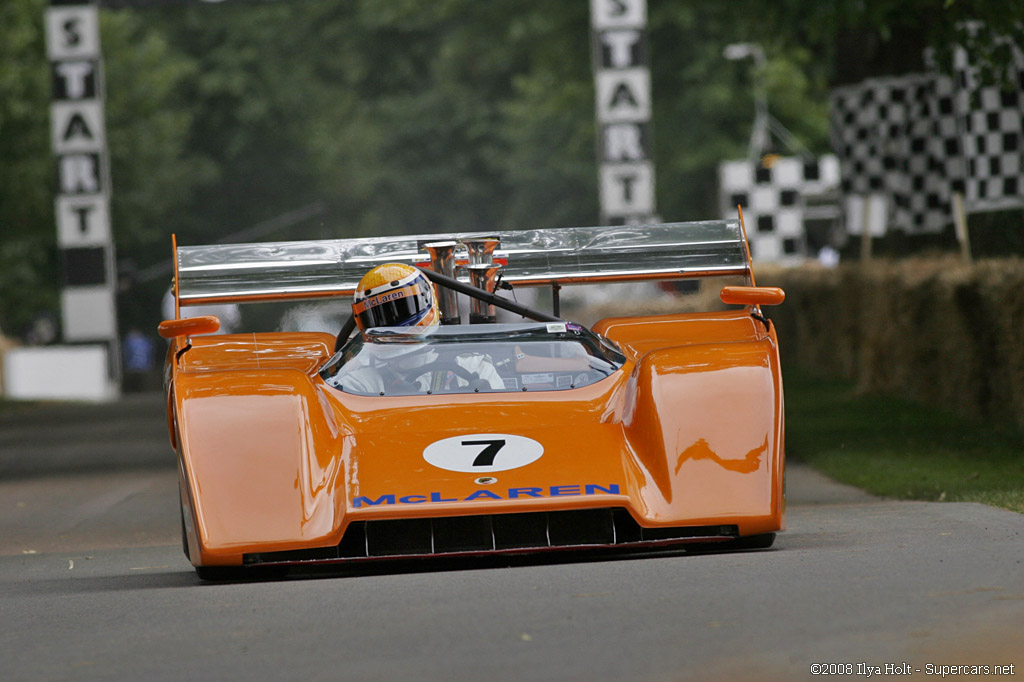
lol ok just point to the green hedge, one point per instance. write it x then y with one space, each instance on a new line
935 330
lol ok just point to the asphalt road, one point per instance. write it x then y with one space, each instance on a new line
93 586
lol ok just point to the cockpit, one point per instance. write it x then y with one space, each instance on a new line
532 356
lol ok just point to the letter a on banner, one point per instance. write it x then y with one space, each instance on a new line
77 127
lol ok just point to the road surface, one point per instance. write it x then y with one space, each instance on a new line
94 586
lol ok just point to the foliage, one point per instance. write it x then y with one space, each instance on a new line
886 37
27 261
148 128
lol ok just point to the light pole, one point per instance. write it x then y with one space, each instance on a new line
759 135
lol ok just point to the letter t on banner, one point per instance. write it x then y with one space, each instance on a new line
623 110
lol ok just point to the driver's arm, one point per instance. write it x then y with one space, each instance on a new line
483 367
365 380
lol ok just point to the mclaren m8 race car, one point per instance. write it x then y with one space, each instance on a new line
638 433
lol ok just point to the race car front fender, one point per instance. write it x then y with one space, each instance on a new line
704 423
238 447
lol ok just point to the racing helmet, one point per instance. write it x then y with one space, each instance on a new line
395 295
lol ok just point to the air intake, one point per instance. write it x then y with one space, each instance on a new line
496 533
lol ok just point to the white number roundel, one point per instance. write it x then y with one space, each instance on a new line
483 452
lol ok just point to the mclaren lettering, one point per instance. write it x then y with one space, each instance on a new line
508 494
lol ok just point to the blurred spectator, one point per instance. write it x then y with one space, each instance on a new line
139 362
43 330
828 257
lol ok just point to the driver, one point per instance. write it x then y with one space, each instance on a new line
399 295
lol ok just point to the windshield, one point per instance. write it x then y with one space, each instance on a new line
471 359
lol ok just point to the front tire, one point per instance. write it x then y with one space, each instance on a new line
184 535
762 541
217 574
220 574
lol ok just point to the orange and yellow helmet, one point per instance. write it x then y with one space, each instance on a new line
395 295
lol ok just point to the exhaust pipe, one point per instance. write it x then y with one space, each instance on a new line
482 276
442 261
481 251
482 272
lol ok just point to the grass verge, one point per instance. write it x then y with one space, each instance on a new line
900 449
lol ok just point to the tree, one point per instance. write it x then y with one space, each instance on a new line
865 38
27 231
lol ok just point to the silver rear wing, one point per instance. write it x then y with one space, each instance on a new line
245 273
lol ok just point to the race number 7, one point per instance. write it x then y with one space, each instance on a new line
487 455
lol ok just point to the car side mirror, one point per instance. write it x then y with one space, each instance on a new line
189 326
752 295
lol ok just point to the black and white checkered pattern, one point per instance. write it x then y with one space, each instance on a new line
868 123
899 137
773 199
928 164
917 139
993 133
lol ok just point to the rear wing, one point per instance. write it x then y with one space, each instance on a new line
246 273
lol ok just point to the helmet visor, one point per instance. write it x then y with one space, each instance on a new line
396 308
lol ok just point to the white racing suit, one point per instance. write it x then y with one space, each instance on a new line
380 379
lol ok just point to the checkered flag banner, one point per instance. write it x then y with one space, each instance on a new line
899 138
993 133
774 198
915 140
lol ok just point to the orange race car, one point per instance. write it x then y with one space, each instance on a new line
452 439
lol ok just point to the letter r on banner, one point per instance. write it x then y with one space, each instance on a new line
79 173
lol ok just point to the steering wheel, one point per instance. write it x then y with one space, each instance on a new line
440 366
474 380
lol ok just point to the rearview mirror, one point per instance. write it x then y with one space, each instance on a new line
189 326
752 295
